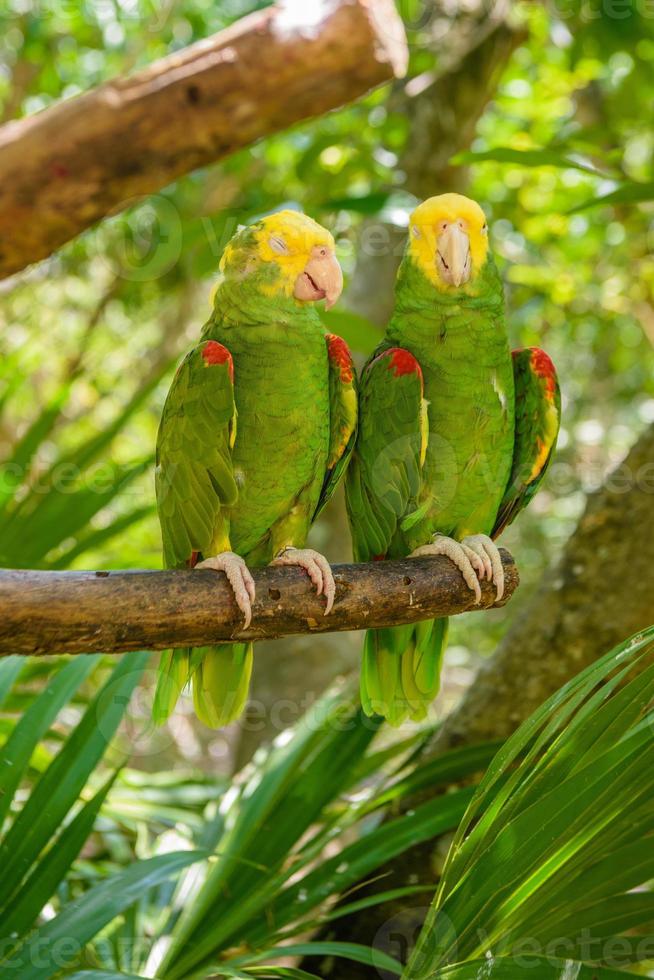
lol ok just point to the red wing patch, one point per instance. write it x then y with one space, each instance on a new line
214 353
542 366
339 354
401 362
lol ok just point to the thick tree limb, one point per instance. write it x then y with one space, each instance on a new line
70 165
113 612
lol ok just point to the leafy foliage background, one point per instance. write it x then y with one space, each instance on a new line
89 338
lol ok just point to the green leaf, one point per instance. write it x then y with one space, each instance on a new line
535 853
275 810
281 972
102 975
10 668
92 540
52 868
521 967
360 203
450 767
15 469
372 851
379 898
630 192
35 722
349 951
526 158
59 787
60 941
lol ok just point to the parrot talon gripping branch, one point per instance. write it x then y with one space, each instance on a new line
75 612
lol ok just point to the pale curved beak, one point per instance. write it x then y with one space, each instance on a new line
322 278
453 255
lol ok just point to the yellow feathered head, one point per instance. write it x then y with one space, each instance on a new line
286 253
448 239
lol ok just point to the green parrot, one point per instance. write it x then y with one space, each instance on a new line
256 431
455 434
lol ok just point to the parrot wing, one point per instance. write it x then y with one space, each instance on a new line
537 421
342 415
385 473
194 476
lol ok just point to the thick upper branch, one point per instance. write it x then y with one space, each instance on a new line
112 612
70 165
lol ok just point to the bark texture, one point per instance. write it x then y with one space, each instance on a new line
114 612
64 168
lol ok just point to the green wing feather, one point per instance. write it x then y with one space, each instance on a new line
384 475
538 418
343 412
401 665
195 483
194 477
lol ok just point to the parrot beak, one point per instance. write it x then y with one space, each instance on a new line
453 256
322 278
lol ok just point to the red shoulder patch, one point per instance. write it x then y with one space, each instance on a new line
339 355
215 353
543 367
401 361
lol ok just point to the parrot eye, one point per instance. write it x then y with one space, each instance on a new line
278 245
484 229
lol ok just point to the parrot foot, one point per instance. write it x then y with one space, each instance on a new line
238 576
486 549
316 566
469 563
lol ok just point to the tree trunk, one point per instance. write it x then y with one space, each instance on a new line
63 169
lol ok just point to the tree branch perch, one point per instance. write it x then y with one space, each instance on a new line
66 167
114 612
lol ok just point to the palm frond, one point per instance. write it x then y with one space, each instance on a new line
558 834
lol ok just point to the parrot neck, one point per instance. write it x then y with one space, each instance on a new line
239 307
416 297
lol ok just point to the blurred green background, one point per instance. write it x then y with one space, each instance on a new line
543 113
89 338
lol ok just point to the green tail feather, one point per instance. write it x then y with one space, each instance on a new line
400 674
174 675
221 682
220 676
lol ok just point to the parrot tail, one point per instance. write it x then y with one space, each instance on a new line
220 676
400 674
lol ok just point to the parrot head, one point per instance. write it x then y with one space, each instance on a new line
448 239
286 253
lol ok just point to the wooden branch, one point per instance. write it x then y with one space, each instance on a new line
113 612
63 169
